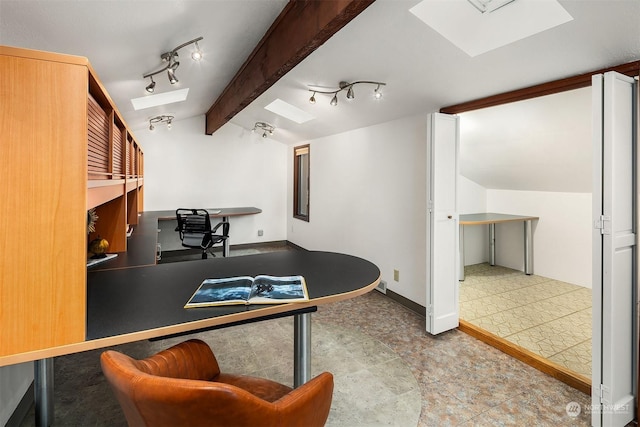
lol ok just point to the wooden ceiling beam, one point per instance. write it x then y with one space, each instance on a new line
301 27
631 69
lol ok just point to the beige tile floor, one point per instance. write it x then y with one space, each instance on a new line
548 317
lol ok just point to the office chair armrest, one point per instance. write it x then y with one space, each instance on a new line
218 226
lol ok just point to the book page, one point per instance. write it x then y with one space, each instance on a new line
271 290
231 290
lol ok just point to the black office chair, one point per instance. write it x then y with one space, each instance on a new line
194 227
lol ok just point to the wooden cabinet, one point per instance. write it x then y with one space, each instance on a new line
63 149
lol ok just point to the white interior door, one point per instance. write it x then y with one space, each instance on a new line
442 227
614 246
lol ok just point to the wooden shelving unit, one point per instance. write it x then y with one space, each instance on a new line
65 148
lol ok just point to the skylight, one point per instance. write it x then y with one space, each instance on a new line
288 111
160 99
466 25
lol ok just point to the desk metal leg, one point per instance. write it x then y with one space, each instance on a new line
492 244
225 245
301 349
43 391
461 248
528 248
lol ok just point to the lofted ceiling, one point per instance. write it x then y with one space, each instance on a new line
124 39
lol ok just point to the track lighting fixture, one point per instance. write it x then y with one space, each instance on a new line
160 119
377 94
171 58
266 128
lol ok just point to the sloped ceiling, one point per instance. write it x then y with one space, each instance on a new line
540 144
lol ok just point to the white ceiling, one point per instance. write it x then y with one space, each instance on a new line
540 144
423 71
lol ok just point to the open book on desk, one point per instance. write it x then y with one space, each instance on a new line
249 290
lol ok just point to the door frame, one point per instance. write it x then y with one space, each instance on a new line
631 69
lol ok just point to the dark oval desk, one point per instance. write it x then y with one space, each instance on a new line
147 302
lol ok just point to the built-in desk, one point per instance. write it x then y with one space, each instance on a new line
142 245
491 219
223 213
130 298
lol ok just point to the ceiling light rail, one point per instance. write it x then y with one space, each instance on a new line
159 120
171 58
264 127
377 94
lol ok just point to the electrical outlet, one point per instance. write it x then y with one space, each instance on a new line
260 232
396 275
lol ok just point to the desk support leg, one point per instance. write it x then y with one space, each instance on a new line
528 248
43 392
225 245
301 349
492 244
461 249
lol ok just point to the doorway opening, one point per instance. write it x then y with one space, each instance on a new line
531 158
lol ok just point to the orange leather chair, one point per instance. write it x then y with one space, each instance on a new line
183 386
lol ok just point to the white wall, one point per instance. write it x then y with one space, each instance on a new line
561 237
368 198
186 168
472 198
14 383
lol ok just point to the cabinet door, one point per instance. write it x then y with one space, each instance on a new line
43 130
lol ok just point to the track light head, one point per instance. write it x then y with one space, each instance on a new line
312 100
172 76
196 55
151 127
350 94
334 100
151 86
376 93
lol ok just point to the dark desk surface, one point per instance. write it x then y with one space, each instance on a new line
213 212
151 298
134 301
